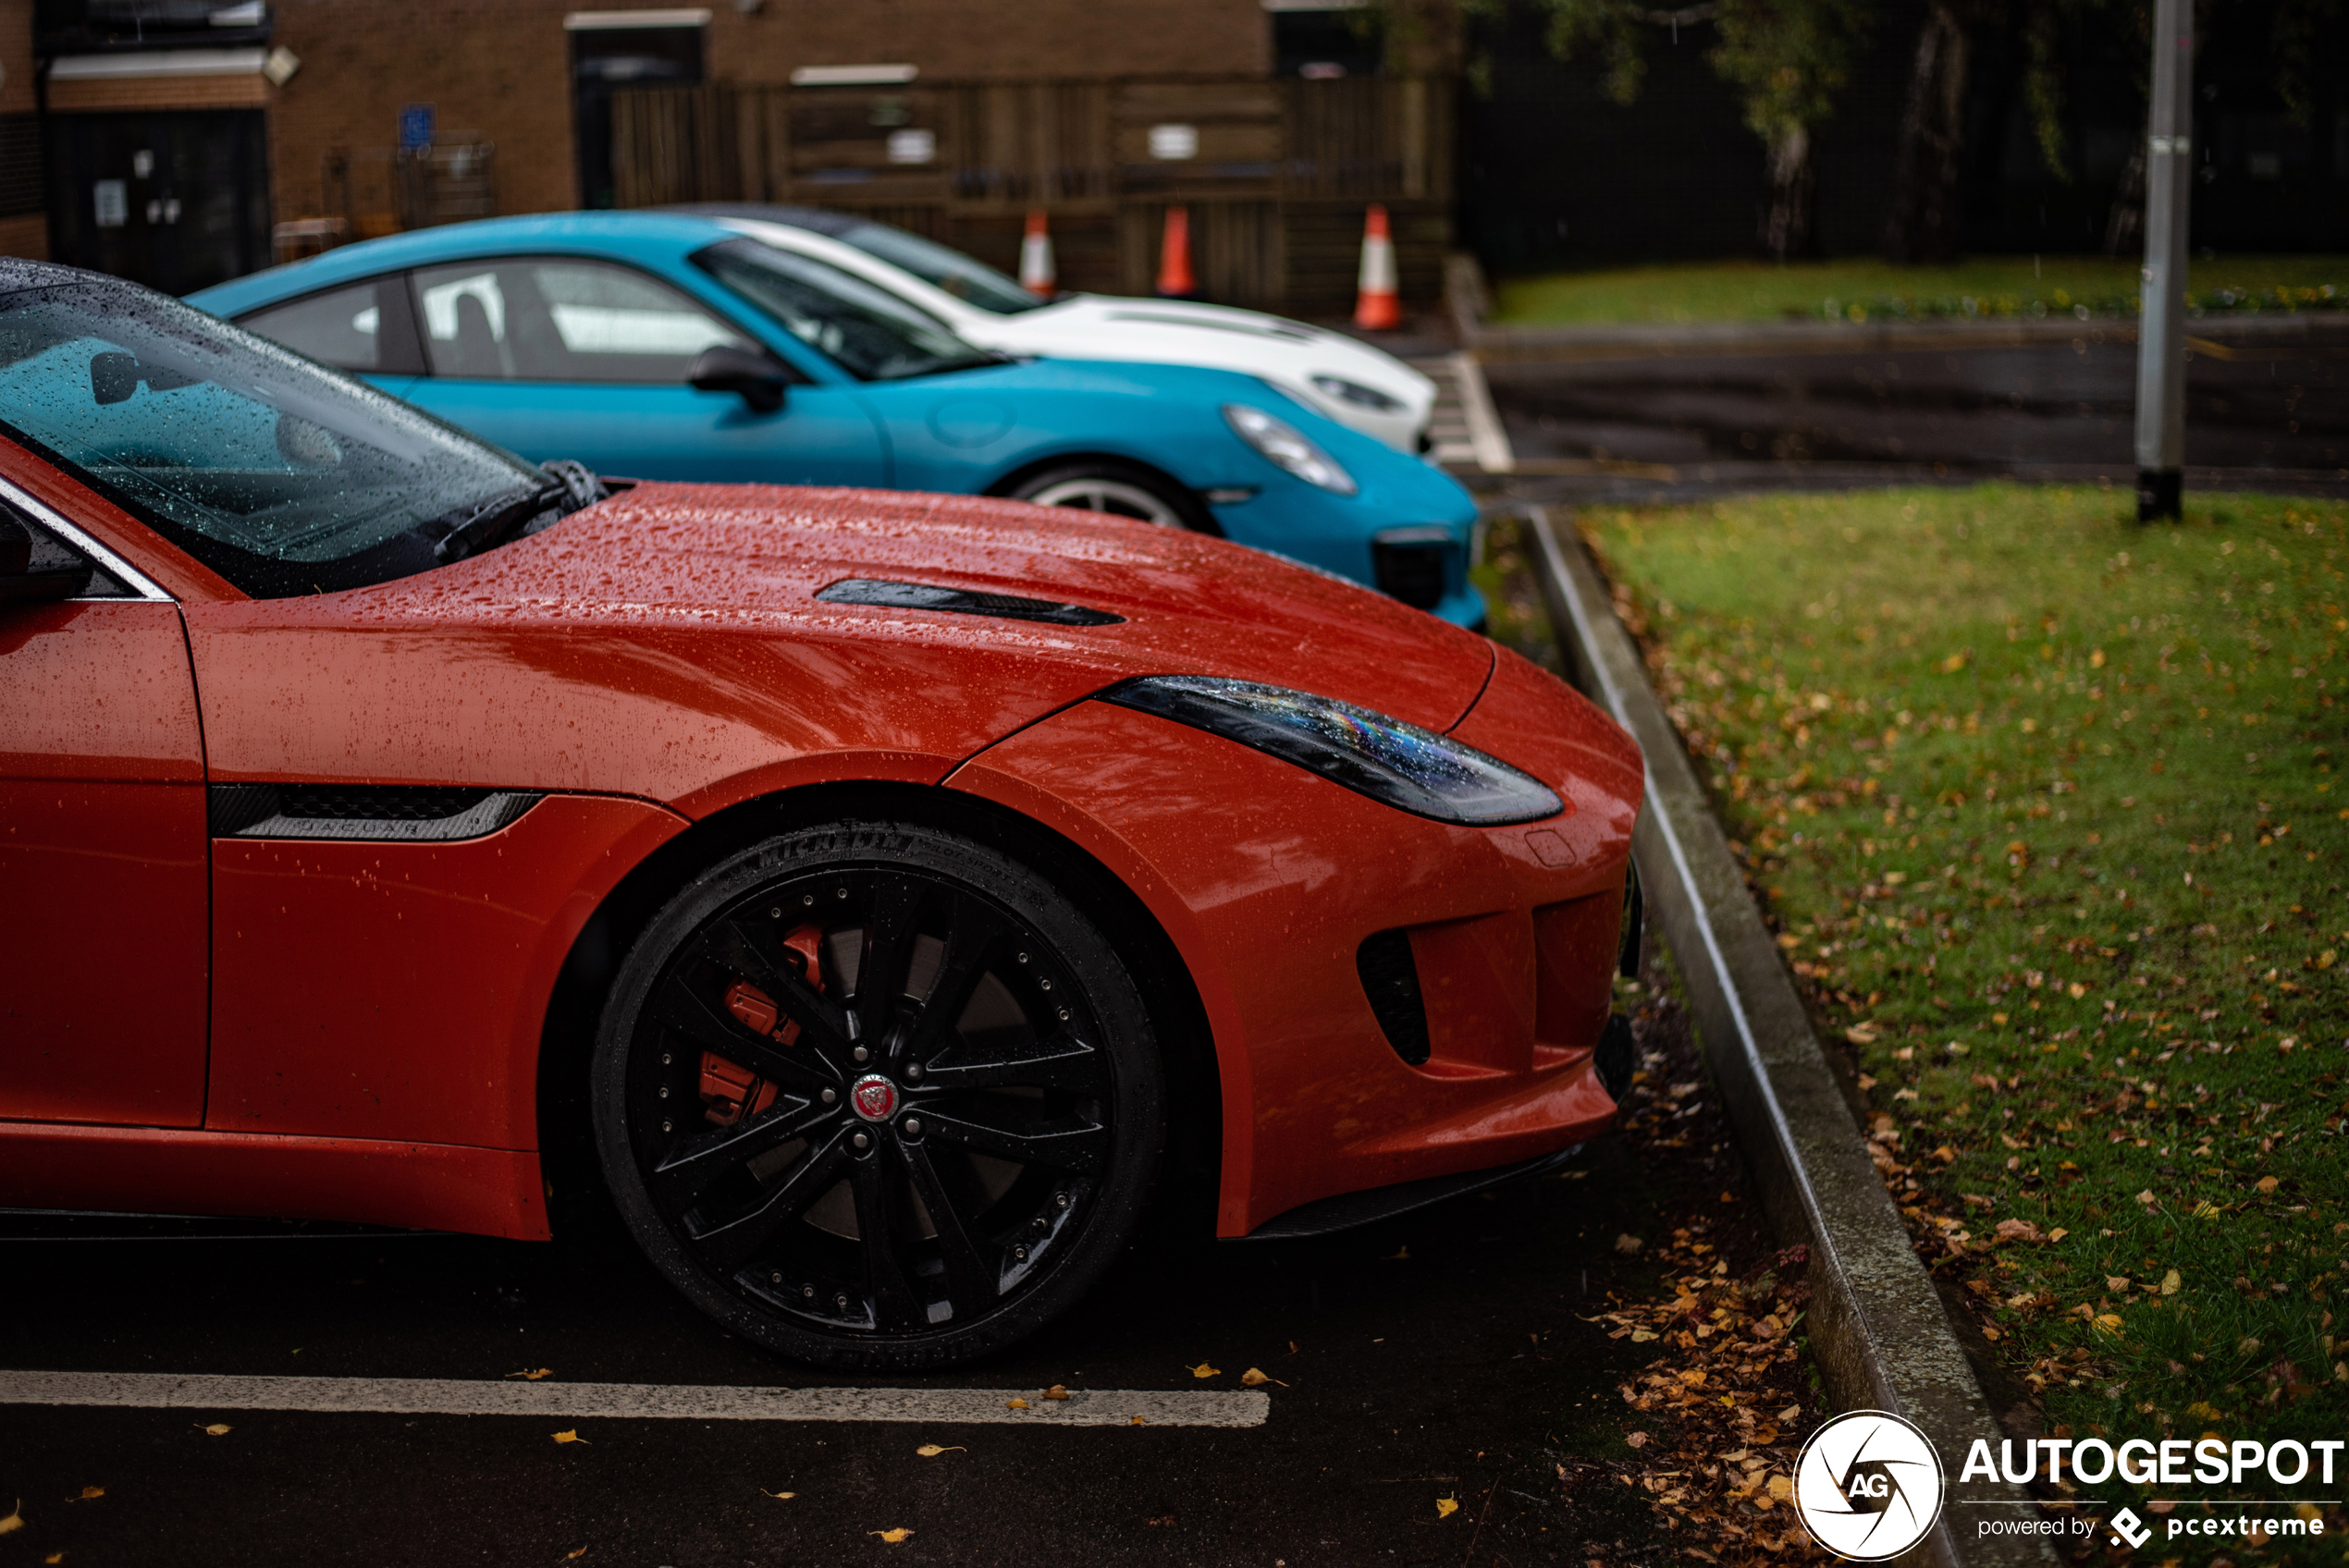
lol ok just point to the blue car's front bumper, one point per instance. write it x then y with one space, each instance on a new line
1410 539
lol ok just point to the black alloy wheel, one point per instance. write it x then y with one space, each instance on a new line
876 1095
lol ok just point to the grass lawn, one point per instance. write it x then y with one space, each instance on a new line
1861 290
2044 806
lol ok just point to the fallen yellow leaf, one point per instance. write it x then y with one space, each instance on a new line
1445 1507
1790 1413
2107 1323
892 1537
14 1521
1140 1422
1255 1379
89 1492
218 1430
2267 1183
1627 1245
1015 1405
568 1556
931 1451
1202 1370
534 1377
571 1437
763 1492
1056 1391
1782 1488
55 1557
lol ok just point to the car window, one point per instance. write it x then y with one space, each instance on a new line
869 331
364 327
966 278
281 475
557 319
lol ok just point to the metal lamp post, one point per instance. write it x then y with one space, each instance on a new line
2162 349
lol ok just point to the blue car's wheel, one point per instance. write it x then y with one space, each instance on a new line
1119 489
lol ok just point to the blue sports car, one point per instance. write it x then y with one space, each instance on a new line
668 347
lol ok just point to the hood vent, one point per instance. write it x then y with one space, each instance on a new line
961 601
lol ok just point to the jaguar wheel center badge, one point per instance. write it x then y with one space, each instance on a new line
874 1097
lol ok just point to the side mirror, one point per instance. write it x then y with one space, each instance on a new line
756 378
20 583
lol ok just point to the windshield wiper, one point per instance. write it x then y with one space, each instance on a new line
473 529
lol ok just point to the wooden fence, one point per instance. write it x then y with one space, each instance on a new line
1275 173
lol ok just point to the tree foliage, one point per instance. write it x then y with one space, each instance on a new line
1789 58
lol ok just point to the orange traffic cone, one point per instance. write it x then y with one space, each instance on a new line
1376 308
1174 280
1036 257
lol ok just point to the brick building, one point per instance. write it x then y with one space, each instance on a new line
182 142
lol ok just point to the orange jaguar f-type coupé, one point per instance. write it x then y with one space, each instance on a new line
890 890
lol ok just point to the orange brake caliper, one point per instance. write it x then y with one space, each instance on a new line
729 1090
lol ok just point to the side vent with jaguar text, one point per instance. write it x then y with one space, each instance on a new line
410 813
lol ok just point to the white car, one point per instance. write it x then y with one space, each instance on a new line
1342 377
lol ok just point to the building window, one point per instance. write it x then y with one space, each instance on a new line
1317 40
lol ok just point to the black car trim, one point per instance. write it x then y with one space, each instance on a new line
883 592
383 813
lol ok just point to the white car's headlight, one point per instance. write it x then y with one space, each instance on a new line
1354 392
1284 445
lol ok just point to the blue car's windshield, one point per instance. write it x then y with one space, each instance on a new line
966 278
282 476
866 331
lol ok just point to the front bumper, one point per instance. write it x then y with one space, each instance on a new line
1424 565
1270 881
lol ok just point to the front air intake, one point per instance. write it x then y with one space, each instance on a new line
1413 564
1391 980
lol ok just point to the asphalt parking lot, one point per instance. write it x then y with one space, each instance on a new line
1439 1356
2261 413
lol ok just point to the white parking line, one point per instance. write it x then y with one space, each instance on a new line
442 1396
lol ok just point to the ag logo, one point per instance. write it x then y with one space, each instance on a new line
1868 1486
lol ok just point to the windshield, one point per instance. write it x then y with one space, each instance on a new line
282 476
966 278
869 331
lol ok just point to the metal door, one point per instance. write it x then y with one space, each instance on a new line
179 201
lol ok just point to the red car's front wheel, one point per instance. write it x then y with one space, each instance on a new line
876 1095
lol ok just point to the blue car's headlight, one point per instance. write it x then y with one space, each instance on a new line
1406 767
1284 445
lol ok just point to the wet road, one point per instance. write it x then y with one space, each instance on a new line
1435 1355
2261 412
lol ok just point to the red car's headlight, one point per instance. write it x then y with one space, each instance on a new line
1404 766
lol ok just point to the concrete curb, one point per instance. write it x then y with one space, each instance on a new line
1882 1340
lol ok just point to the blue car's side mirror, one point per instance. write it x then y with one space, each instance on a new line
756 378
